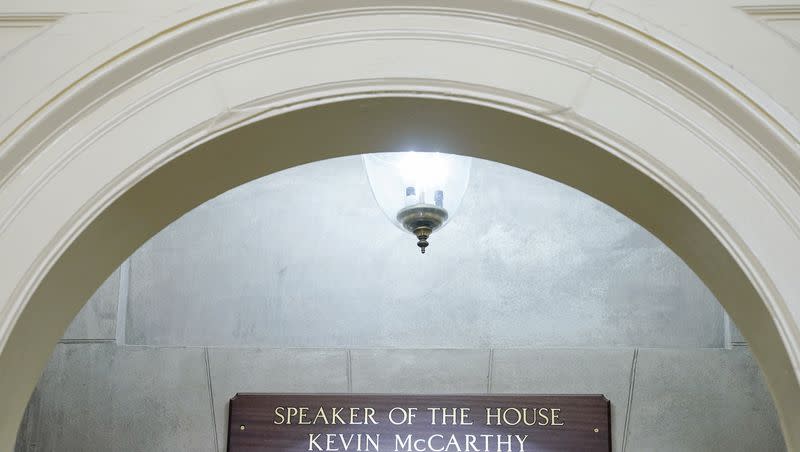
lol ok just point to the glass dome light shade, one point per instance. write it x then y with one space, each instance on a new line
402 179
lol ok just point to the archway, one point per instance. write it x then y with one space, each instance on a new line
108 184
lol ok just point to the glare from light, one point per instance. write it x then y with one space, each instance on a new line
426 171
392 174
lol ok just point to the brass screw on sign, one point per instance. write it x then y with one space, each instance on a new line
596 430
241 427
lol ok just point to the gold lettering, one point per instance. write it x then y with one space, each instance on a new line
433 411
312 442
525 417
543 415
407 415
554 416
329 437
321 414
451 416
374 442
489 416
430 443
500 442
470 444
465 417
399 444
279 413
453 442
368 415
521 440
336 414
505 416
354 416
303 420
290 413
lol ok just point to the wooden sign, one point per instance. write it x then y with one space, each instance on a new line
418 423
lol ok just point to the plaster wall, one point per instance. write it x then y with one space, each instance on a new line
305 258
232 299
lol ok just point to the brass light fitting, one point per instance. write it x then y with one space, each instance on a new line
422 219
425 177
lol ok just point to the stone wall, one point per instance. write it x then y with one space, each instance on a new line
103 397
297 283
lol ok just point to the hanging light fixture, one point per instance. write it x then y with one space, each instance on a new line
418 191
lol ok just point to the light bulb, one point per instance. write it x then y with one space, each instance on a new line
418 191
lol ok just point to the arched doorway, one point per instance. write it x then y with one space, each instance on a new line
106 185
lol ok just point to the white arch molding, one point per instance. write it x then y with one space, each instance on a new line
702 160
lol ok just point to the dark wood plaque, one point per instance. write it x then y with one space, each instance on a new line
417 423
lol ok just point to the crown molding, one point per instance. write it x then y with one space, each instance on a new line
771 15
28 20
773 12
